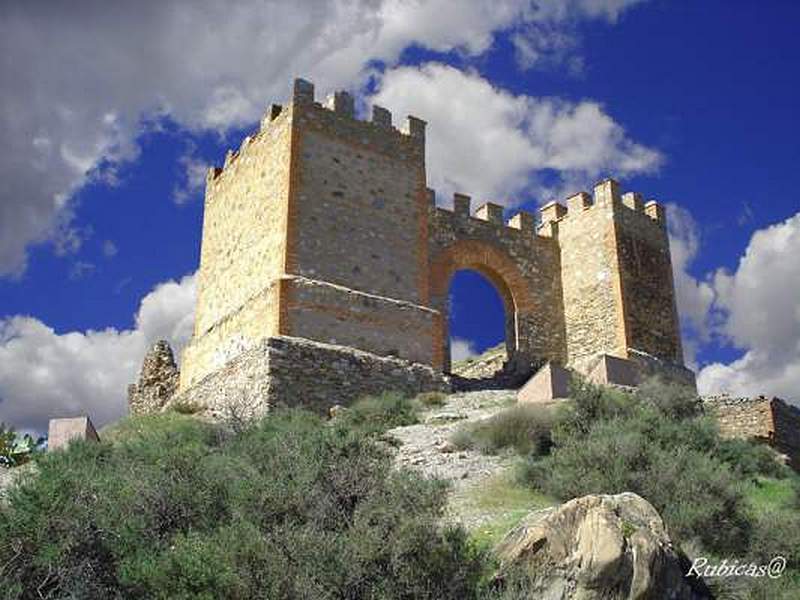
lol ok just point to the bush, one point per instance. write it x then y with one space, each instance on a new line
377 414
290 508
749 458
430 399
674 401
526 428
16 450
656 443
186 408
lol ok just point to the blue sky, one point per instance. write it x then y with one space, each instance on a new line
108 128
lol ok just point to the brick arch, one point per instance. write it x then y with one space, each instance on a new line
494 264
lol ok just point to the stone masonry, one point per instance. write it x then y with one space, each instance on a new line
769 420
320 232
158 380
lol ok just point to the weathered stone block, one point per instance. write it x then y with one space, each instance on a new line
551 382
61 432
612 370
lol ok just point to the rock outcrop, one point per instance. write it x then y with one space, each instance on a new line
158 380
597 547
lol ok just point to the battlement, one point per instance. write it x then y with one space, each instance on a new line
342 105
490 212
606 194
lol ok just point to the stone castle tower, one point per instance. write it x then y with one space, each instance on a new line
325 267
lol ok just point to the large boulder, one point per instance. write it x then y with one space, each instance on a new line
596 547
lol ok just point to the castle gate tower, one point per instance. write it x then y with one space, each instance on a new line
325 265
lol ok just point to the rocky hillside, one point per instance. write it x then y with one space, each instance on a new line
484 365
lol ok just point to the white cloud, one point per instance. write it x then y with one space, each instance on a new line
461 349
695 297
109 249
491 144
78 99
193 178
44 374
538 46
760 303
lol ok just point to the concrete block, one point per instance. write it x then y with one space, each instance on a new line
62 431
549 383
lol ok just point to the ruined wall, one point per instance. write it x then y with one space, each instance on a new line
277 371
158 380
769 420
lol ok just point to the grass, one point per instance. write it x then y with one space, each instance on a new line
769 494
375 415
524 428
431 399
506 501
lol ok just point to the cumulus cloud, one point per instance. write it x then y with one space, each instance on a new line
461 349
760 305
193 179
80 78
45 374
695 297
109 249
491 144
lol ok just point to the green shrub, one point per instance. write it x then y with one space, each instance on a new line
377 414
655 443
525 428
591 403
776 533
290 508
186 408
749 458
673 400
430 399
16 450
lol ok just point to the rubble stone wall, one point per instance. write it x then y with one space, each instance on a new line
770 420
288 371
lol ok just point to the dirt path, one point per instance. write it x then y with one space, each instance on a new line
425 448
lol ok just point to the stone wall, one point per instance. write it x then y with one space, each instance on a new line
356 206
590 277
648 291
338 315
288 371
523 266
770 420
243 248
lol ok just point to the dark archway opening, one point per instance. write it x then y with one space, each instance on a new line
478 325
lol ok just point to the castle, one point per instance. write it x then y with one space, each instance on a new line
326 263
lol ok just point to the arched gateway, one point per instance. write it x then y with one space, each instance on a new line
325 266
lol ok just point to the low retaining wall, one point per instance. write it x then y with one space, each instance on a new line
289 371
772 421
